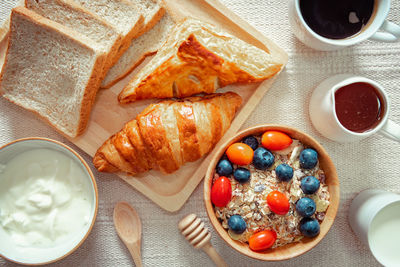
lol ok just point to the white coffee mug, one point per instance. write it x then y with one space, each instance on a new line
374 216
323 113
378 28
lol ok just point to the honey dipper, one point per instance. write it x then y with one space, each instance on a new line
192 228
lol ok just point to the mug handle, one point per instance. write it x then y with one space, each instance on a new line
389 32
391 130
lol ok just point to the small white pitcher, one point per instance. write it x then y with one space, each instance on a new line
323 114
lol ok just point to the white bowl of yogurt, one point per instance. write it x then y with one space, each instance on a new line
48 201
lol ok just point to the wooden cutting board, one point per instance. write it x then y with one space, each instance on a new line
170 192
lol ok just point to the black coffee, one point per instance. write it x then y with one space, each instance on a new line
336 19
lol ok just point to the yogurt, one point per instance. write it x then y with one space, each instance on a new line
44 198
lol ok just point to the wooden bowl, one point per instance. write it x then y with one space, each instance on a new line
290 250
45 255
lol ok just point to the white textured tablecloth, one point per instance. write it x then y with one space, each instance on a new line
373 162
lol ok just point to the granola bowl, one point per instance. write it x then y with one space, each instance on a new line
260 215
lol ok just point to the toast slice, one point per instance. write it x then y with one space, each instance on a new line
51 70
124 15
199 58
141 47
153 11
6 23
73 15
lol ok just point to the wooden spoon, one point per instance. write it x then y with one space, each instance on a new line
129 229
192 228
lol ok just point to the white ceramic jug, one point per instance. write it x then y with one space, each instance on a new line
323 113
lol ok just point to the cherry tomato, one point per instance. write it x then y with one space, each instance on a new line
221 192
262 240
275 140
240 154
278 202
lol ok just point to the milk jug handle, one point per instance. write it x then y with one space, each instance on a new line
389 32
391 130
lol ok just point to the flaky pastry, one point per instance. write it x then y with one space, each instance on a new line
199 58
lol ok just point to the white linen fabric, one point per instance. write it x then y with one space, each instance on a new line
370 163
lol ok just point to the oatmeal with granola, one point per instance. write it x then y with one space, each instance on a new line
268 191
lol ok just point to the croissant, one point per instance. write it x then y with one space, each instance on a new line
199 58
166 135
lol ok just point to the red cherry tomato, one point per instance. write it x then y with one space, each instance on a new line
221 192
275 140
278 202
240 154
262 240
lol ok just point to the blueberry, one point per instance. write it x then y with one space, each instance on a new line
309 227
284 172
251 141
241 175
263 158
308 158
309 185
237 224
224 167
305 207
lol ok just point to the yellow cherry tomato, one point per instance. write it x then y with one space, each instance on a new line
240 154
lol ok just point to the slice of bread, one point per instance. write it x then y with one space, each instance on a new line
198 57
124 15
153 11
145 45
6 23
51 70
73 15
